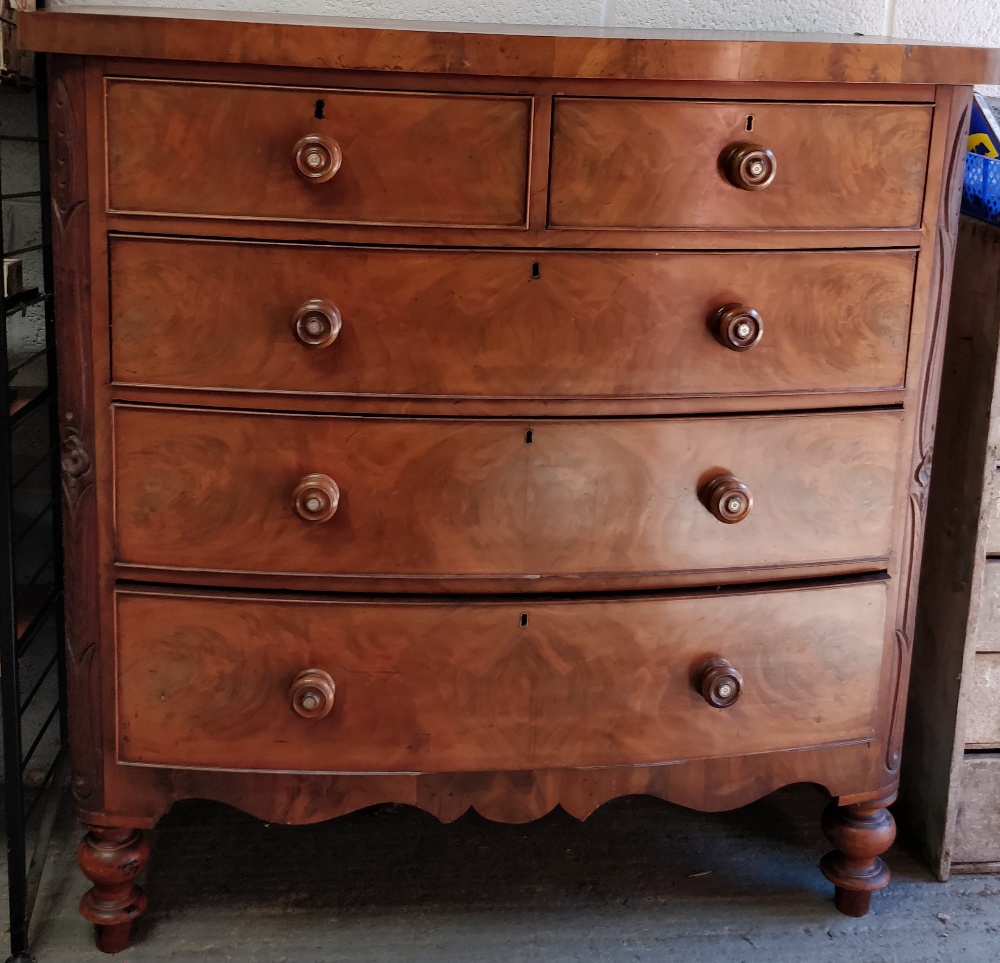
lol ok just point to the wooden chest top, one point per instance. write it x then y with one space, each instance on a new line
508 51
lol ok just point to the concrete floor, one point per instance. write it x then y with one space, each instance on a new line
639 881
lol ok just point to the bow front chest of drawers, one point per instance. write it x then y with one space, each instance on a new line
501 421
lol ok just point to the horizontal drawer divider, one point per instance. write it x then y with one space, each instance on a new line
280 594
334 244
457 416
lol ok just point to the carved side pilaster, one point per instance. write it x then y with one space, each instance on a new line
920 476
71 255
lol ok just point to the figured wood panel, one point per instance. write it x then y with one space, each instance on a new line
227 150
204 681
438 497
656 164
982 727
480 324
508 50
977 831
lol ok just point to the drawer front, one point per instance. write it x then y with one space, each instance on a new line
209 681
664 164
485 324
435 497
227 150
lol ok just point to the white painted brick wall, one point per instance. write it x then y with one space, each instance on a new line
573 12
974 22
815 16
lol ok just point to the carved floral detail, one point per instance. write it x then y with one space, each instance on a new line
65 172
76 463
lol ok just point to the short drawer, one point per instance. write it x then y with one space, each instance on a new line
228 150
216 491
676 164
493 324
225 682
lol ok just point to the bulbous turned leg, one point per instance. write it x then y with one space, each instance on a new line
111 859
860 834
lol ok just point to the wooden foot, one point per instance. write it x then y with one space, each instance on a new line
111 859
860 834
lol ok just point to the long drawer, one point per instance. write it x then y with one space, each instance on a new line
263 683
495 324
238 150
711 164
232 491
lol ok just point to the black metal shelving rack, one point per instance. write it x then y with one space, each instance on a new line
32 670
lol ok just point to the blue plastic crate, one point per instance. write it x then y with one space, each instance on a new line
981 192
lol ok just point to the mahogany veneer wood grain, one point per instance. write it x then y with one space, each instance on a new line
547 233
660 164
481 324
441 497
425 686
228 150
469 49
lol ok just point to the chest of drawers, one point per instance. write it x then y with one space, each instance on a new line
468 420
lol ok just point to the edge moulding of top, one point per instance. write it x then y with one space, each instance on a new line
503 51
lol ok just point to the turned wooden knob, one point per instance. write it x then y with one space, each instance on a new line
738 326
317 157
749 166
311 693
316 498
719 683
728 499
317 323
